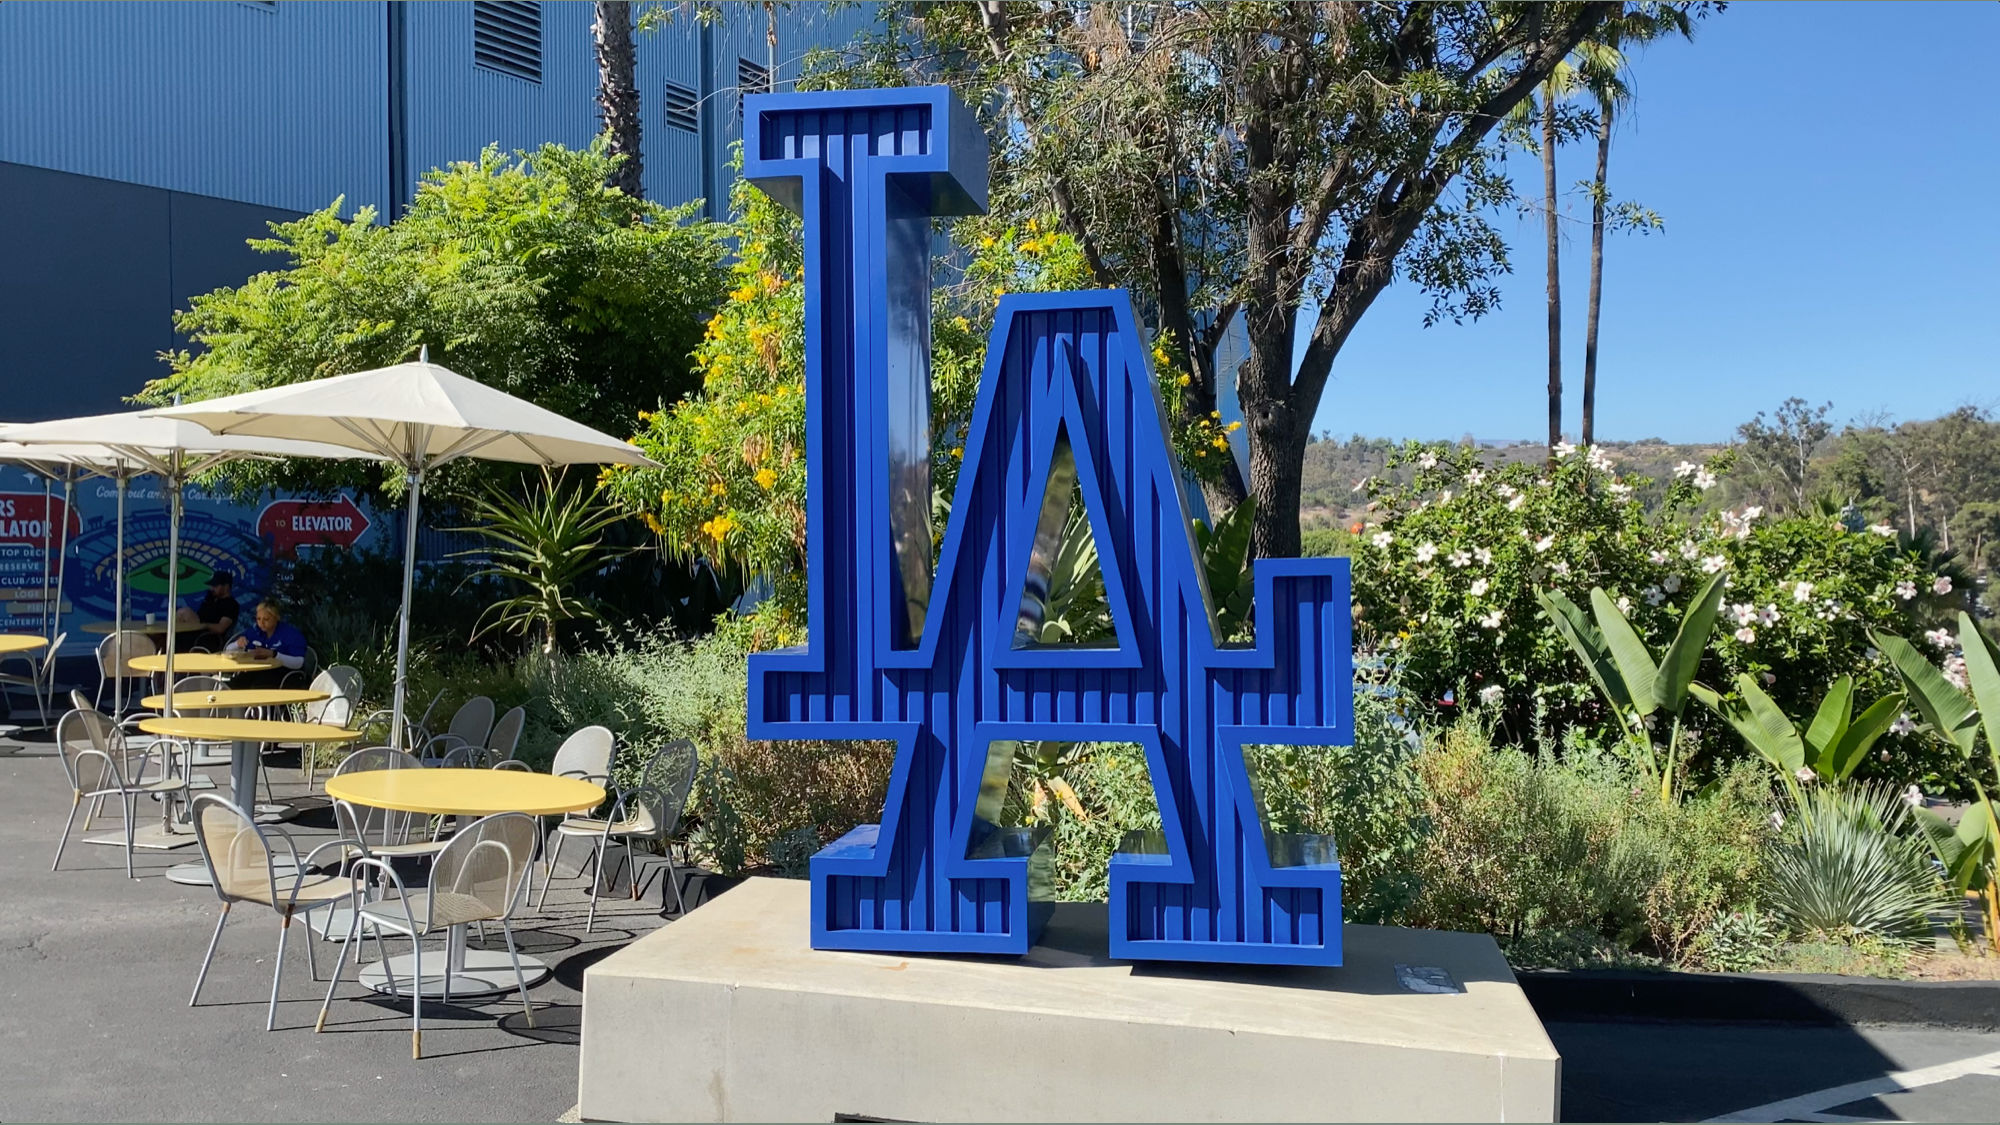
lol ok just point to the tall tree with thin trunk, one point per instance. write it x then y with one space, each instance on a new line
1603 71
618 94
1552 233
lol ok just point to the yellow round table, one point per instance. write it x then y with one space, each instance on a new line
201 663
462 792
20 642
232 697
465 792
247 735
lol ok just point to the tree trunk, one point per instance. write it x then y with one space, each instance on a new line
618 93
1554 269
1277 477
1588 432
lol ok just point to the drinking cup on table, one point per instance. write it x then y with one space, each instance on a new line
149 620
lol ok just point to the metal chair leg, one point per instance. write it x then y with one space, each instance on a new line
450 933
520 979
417 997
596 880
312 959
549 869
131 807
76 800
339 964
674 876
277 970
215 938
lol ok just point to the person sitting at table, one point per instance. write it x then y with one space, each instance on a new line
270 637
204 628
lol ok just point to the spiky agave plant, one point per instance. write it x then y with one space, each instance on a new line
1850 866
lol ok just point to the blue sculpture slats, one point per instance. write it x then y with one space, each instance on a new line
946 660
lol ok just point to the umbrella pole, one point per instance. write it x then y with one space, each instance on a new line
62 547
118 653
415 481
173 482
48 503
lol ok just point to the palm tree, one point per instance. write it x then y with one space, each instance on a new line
618 93
1603 72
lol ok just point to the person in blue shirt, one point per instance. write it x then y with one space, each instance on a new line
269 637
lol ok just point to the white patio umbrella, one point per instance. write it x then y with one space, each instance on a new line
68 464
175 450
420 416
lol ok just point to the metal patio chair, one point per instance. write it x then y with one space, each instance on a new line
98 765
40 679
470 725
245 868
586 755
113 654
478 877
649 810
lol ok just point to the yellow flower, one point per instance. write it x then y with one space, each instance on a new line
1220 442
1233 427
717 488
958 452
986 243
718 527
1184 380
667 496
767 478
1215 414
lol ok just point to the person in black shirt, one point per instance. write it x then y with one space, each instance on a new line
204 628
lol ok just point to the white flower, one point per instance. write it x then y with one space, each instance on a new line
1704 480
1689 551
1382 539
1871 653
1913 797
1492 620
1745 613
1903 724
1658 558
1753 511
1544 543
1941 586
1459 558
1652 595
1954 671
1747 635
1478 587
1559 568
1906 589
1802 592
1563 449
1769 679
1426 552
1684 469
1941 638
1444 497
1805 775
1600 460
1476 476
1713 564
1671 583
1777 819
1884 530
1514 505
1505 489
1768 615
1620 489
1427 460
1484 555
1491 694
1624 605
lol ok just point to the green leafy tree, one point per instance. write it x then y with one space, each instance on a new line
1777 454
1265 166
524 272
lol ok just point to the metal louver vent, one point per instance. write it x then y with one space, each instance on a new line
507 37
752 78
682 108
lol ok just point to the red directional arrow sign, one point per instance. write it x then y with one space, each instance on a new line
291 524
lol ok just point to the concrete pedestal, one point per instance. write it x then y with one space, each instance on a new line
727 1015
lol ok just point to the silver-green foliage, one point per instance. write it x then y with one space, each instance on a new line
1849 867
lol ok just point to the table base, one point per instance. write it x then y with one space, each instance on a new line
196 874
150 836
485 973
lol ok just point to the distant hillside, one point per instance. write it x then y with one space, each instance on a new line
1334 469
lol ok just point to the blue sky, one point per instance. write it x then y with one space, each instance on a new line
1827 176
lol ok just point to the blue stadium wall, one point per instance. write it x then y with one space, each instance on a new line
141 144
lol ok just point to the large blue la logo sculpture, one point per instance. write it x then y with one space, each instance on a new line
942 659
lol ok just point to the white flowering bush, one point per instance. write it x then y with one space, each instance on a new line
1446 570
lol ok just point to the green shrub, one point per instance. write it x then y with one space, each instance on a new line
1849 867
1737 942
